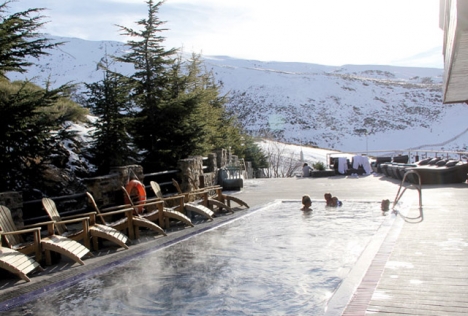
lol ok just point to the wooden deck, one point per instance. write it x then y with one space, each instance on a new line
423 273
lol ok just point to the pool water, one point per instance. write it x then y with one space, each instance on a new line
276 260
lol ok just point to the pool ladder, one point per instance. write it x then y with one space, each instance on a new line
401 192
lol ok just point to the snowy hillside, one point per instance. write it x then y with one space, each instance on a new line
330 107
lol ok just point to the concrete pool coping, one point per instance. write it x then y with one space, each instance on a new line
257 192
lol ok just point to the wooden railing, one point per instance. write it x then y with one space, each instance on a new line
77 203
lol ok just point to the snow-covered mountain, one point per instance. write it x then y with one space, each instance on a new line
347 108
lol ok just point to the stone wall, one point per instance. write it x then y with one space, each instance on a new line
127 173
107 190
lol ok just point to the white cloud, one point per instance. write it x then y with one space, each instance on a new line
332 32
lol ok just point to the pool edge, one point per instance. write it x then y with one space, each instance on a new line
370 264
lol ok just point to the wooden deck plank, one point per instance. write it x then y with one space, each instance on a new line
426 272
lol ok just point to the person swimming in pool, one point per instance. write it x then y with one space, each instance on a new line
385 206
306 203
332 200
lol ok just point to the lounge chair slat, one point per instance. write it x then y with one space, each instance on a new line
17 263
199 209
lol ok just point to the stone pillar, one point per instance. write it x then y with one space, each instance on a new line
103 188
250 171
190 171
212 160
221 158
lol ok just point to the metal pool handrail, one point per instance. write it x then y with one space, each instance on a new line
400 194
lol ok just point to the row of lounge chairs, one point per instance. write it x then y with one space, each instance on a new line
153 214
376 165
429 171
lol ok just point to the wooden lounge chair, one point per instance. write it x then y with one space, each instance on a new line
154 210
227 199
18 263
56 243
220 200
130 223
200 197
89 229
219 196
181 205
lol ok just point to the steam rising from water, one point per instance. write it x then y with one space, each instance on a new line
278 260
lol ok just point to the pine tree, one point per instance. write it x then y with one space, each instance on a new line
26 141
19 38
210 109
189 111
254 154
217 128
178 134
181 112
192 112
152 62
110 101
26 115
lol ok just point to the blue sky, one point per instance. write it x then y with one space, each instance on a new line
328 32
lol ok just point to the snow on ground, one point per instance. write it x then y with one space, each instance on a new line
309 154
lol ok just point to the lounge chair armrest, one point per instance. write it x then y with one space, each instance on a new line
153 200
125 210
148 203
38 224
74 220
113 208
37 237
176 199
90 215
212 188
172 195
199 191
149 206
21 231
50 226
77 216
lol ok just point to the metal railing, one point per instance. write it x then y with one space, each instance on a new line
400 193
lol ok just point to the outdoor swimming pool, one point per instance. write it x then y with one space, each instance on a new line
273 261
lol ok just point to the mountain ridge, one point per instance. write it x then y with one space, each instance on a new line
347 108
